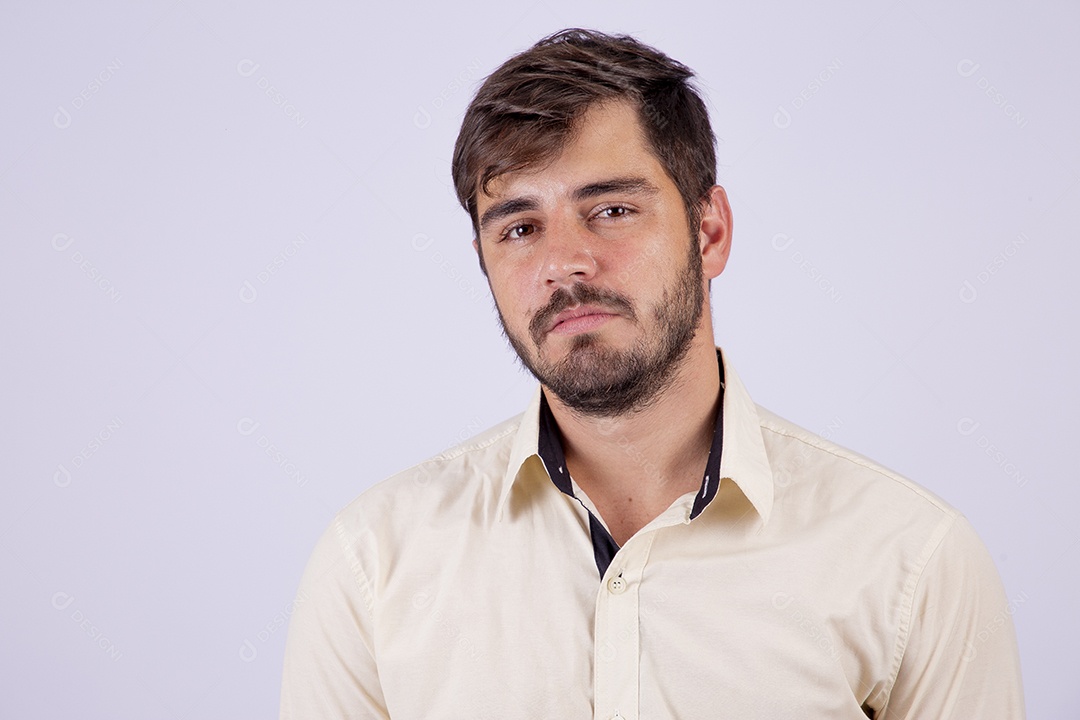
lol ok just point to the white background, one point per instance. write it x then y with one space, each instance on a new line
225 229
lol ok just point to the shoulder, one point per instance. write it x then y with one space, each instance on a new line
827 493
448 485
797 455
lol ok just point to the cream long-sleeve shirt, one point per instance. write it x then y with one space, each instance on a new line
813 584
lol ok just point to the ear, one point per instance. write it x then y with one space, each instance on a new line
715 232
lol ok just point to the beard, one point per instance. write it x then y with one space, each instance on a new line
599 381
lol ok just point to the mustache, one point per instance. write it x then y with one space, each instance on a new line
579 294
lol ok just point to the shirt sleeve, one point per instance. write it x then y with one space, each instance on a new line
961 659
330 671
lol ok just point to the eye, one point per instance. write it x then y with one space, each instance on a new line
612 212
517 232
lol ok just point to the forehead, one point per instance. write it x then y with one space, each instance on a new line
608 142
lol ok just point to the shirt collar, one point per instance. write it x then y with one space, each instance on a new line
742 451
744 461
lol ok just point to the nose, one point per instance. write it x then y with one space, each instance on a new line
568 255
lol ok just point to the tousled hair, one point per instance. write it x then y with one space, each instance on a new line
526 111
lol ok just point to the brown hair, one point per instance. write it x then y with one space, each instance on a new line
526 111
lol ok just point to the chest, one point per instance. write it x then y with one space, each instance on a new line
521 625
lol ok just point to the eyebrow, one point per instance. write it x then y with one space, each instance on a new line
505 208
628 185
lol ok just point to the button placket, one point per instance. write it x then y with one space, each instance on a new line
617 655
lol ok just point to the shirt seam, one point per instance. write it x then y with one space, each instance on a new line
903 635
465 447
363 583
848 456
447 455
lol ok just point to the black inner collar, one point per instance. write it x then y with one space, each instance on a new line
550 449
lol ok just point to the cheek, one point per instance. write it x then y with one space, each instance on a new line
642 267
512 298
515 284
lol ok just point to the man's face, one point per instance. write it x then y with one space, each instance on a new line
596 275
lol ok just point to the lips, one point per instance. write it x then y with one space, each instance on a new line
580 308
579 312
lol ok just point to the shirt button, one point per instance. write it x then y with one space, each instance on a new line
616 585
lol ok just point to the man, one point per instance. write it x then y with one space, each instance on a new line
644 541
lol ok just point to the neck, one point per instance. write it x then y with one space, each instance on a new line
655 454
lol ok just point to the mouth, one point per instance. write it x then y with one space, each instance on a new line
580 319
578 309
